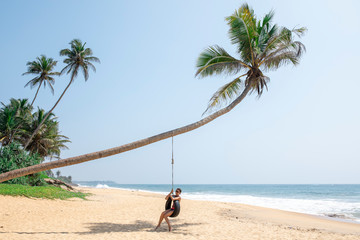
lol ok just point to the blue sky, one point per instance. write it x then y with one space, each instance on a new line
305 129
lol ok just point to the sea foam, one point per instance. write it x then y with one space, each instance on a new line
324 207
102 186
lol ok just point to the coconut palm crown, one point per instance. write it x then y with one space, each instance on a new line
42 67
261 46
78 59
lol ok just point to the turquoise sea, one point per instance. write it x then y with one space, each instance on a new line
333 200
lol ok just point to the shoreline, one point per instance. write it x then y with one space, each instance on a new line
127 214
338 219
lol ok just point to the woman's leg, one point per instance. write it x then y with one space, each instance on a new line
162 217
166 216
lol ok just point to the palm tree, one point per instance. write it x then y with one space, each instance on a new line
78 59
8 124
43 68
12 117
260 45
47 142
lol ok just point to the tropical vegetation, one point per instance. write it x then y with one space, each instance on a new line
29 137
17 123
14 157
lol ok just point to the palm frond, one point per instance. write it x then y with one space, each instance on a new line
91 65
85 73
285 54
93 59
283 45
54 73
74 72
215 60
300 31
50 85
224 94
265 32
66 68
88 52
242 32
33 82
65 52
280 60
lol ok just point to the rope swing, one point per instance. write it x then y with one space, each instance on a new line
172 162
168 202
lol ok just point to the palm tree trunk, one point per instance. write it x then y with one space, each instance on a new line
47 115
12 136
36 95
20 125
1 140
127 147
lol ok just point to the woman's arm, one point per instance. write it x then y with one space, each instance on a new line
169 195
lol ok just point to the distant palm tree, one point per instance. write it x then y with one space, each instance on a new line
48 141
78 59
8 124
261 47
43 68
13 117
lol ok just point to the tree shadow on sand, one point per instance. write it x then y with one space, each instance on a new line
107 227
137 226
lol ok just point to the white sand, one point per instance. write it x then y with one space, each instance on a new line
120 214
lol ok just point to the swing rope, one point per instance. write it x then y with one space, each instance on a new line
172 162
176 203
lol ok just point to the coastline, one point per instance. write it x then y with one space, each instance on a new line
323 208
337 219
128 214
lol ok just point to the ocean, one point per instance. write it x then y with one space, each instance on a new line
340 201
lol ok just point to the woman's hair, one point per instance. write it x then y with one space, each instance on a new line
178 189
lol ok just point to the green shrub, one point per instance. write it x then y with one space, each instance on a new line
14 157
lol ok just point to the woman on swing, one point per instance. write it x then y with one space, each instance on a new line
165 214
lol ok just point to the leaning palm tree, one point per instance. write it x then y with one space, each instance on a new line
261 47
42 67
78 59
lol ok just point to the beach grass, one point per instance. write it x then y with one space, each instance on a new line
49 192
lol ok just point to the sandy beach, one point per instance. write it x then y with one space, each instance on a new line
121 214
